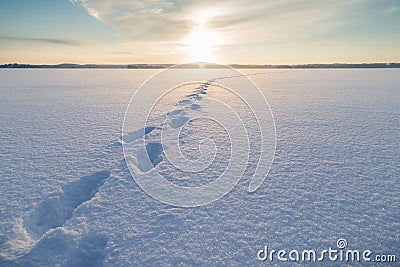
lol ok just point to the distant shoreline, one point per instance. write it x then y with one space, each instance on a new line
194 66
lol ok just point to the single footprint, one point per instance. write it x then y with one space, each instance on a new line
57 208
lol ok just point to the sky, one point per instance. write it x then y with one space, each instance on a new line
225 32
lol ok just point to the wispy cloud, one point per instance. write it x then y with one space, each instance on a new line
122 53
239 20
139 20
43 40
391 10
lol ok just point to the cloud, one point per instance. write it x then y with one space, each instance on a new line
122 53
43 40
240 21
391 10
150 20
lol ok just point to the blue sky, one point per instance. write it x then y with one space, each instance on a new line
161 31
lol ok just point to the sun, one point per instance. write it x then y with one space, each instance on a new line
201 43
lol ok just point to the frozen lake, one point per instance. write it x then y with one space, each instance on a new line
67 197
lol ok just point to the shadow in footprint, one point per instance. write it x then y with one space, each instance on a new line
56 209
195 106
174 112
154 151
132 136
184 102
146 158
178 122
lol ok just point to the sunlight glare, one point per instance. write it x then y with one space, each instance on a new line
201 43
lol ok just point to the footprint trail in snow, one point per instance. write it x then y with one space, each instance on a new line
182 113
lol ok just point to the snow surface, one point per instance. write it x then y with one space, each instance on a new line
68 199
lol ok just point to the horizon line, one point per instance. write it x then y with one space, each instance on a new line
201 64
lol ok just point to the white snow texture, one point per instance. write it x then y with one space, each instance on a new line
68 199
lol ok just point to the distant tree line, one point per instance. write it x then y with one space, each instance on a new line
237 66
321 66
